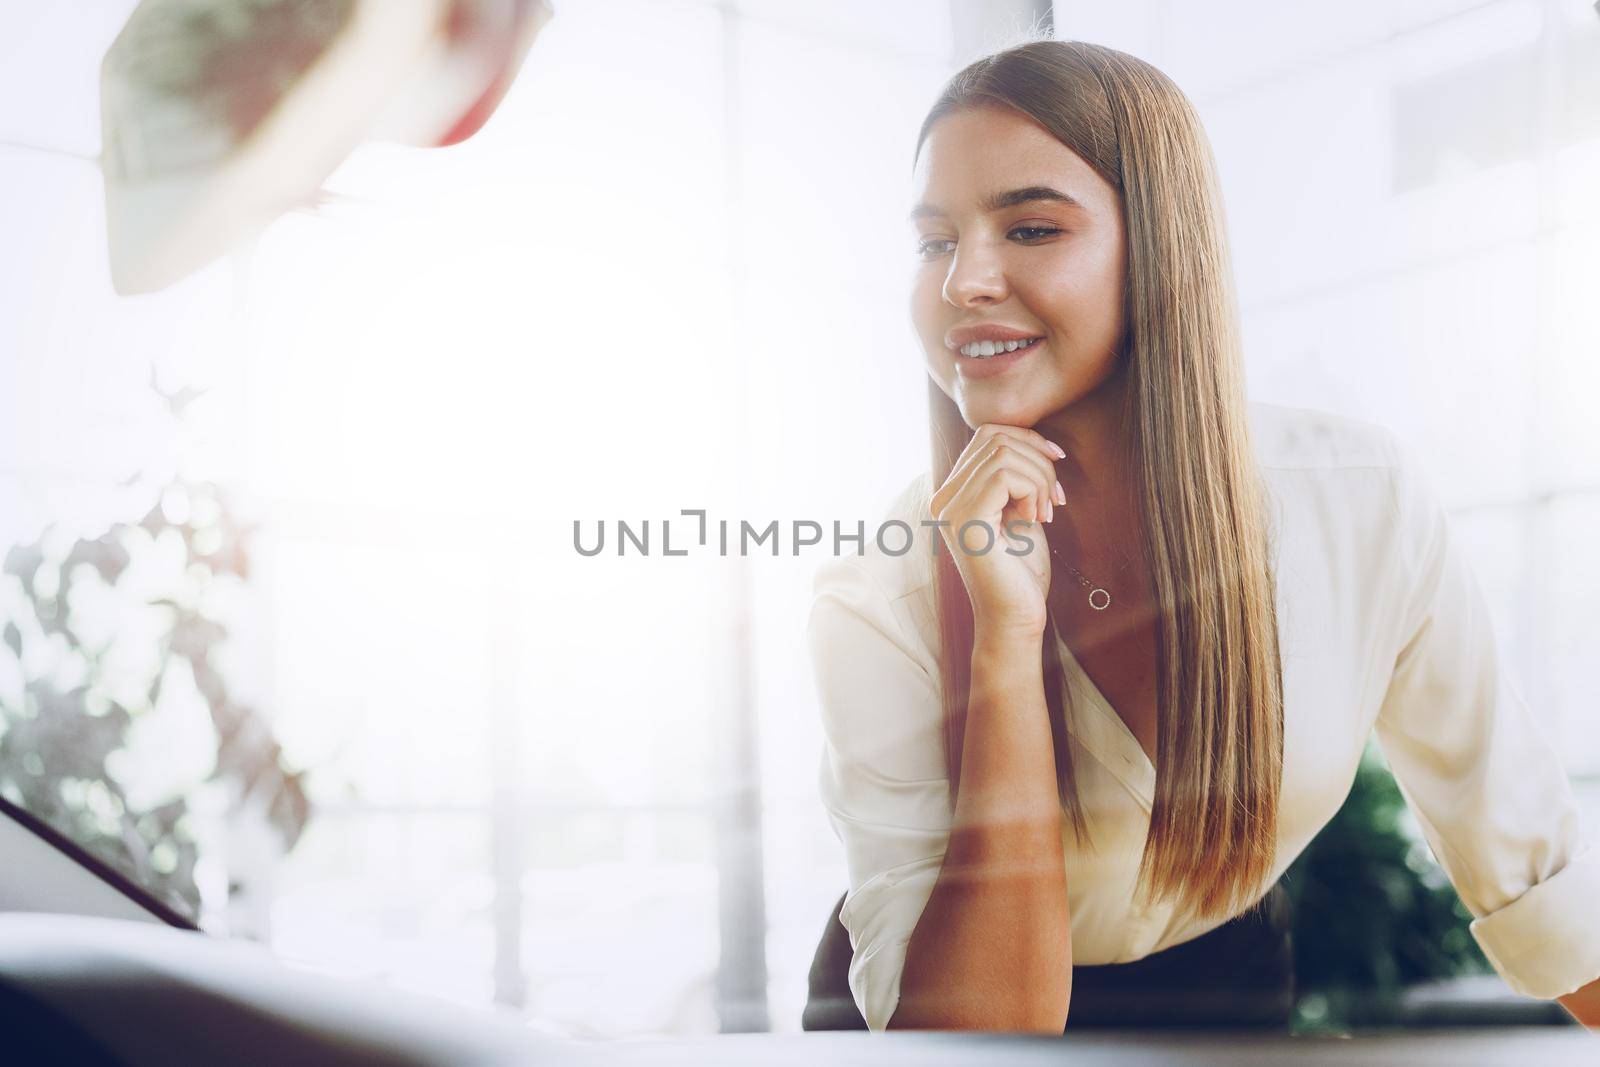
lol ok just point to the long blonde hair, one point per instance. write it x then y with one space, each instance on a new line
1200 497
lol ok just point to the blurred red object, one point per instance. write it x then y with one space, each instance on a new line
506 40
219 115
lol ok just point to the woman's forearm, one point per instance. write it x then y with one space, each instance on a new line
992 949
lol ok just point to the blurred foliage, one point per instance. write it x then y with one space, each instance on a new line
1373 912
94 628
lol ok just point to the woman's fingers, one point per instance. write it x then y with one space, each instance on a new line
1029 444
1024 451
1004 474
1048 450
1002 485
1029 452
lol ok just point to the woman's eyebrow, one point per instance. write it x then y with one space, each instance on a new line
1012 198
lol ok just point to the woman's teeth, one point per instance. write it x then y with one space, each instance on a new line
982 349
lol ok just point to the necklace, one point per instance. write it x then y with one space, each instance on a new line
1099 598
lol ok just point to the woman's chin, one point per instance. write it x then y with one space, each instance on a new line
977 411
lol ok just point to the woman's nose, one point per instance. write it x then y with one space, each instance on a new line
975 277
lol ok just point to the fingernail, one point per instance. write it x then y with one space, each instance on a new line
1061 495
1049 512
1061 453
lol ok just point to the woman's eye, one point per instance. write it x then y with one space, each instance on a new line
938 246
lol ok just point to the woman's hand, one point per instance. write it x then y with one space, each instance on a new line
1005 475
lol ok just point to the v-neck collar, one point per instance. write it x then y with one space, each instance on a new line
1098 727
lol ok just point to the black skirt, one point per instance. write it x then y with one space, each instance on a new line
1238 976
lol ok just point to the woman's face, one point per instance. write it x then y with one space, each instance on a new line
1016 238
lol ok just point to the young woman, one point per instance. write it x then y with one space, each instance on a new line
1069 769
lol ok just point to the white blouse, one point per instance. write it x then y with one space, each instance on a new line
1382 625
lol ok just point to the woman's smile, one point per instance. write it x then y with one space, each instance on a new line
983 350
985 359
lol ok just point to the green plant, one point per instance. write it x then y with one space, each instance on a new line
103 634
1373 912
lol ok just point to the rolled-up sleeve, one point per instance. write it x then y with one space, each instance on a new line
1478 770
881 776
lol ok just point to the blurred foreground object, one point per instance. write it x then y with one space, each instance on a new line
219 115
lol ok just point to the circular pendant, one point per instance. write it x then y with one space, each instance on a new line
1105 601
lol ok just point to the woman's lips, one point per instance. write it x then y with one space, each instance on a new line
989 366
